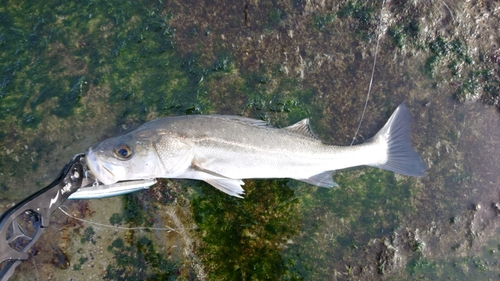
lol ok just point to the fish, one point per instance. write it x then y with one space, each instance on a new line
223 150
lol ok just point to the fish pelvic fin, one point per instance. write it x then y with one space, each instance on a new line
395 138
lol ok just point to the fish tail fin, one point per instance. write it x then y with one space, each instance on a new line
395 139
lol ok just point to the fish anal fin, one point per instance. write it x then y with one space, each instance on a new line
302 128
228 186
323 179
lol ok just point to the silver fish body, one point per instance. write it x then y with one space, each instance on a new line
223 150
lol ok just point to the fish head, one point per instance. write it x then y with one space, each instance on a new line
130 156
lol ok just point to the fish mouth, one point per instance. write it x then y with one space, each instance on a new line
101 172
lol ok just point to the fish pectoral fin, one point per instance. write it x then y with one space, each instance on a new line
224 184
229 186
323 179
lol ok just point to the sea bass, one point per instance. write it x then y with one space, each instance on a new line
222 150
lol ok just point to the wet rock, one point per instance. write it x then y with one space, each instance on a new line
60 258
388 259
496 207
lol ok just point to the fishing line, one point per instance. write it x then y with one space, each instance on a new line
169 229
373 73
36 269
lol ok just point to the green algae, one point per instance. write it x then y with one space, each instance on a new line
64 52
136 57
32 42
116 219
322 22
88 235
133 211
357 10
468 268
236 231
81 261
440 49
244 238
139 261
363 15
404 33
137 256
141 50
67 57
362 207
276 15
449 61
471 79
283 104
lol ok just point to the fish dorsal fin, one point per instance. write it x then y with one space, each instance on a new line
302 128
246 120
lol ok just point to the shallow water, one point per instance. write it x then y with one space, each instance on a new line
75 73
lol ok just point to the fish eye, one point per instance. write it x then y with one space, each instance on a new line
123 151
